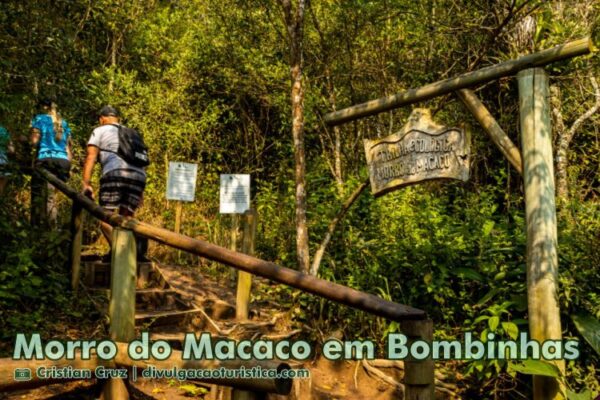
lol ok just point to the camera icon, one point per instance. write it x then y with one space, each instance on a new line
22 374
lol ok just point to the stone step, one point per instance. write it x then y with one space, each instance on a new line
217 309
191 318
96 275
150 299
176 338
159 300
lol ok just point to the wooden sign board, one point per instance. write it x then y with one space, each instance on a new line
181 182
234 193
421 150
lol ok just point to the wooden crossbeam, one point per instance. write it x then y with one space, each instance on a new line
506 68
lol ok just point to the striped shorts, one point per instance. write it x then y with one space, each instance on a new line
122 188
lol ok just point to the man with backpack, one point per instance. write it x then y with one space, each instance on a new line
123 156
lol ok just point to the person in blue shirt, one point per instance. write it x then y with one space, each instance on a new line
51 138
5 148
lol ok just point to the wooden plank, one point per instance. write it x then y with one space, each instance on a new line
492 128
76 234
161 318
121 308
540 216
155 291
244 278
506 68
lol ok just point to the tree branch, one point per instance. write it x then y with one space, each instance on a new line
314 268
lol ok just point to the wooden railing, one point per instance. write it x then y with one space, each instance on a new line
419 375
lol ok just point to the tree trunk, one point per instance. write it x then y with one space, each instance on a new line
314 269
337 148
564 138
295 22
113 62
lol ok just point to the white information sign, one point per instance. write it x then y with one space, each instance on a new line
181 184
235 193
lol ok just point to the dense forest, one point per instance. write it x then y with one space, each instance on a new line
243 87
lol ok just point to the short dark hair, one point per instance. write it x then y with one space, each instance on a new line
108 111
45 102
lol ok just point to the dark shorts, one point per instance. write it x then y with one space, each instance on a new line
57 166
122 189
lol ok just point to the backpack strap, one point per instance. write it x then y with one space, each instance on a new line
118 126
118 134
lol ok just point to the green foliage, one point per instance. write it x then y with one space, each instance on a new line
33 277
589 327
191 390
208 82
534 367
542 368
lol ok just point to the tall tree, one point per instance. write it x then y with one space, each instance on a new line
294 20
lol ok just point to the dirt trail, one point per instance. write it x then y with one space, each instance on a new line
328 380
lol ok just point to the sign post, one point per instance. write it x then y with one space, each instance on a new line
235 200
181 186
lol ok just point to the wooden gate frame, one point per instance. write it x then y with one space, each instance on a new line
535 166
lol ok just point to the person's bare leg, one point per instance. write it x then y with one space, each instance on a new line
124 211
107 229
107 232
52 207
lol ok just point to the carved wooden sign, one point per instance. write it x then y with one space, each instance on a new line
421 150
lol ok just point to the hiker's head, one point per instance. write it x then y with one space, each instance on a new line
46 104
108 115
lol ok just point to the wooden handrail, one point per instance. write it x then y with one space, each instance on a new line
308 283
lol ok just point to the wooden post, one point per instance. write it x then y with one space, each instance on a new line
244 287
419 378
235 227
121 309
491 127
540 216
178 210
76 233
245 278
